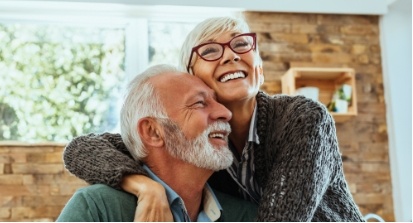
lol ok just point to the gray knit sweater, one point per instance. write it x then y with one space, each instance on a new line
298 162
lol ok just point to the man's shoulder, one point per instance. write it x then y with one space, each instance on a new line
99 203
99 188
101 192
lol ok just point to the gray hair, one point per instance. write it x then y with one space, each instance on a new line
141 100
208 29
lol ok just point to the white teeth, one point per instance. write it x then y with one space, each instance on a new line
232 76
216 135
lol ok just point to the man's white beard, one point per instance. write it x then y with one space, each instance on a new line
199 151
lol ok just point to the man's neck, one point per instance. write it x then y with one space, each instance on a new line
187 181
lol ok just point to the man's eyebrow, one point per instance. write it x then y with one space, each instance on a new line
197 94
204 95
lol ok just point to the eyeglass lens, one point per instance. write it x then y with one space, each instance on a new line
214 51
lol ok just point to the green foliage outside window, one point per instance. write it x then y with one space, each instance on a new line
58 82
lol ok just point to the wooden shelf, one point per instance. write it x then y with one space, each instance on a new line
327 80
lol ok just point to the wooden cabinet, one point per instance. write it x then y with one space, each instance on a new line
327 80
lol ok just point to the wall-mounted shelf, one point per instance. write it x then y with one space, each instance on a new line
327 80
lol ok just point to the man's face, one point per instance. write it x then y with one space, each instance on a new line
191 105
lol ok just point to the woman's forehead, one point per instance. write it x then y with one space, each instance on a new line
214 37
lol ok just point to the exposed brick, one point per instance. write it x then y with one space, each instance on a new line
359 29
4 150
272 87
69 189
10 201
54 157
21 213
280 17
331 58
379 187
378 168
274 27
30 168
16 158
37 201
325 48
31 149
358 49
363 59
346 19
13 190
5 213
369 198
289 38
9 179
7 168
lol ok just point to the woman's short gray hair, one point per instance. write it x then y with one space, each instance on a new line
141 100
209 29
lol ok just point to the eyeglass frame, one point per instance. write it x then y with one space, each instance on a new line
195 49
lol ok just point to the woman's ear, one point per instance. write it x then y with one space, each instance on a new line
150 132
260 73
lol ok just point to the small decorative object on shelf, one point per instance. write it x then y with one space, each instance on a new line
341 99
335 87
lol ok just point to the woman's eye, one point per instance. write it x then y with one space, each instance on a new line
241 44
208 51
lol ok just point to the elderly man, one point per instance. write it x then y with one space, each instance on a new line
172 123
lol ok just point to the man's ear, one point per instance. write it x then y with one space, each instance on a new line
150 132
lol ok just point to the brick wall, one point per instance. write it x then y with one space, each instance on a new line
34 185
320 40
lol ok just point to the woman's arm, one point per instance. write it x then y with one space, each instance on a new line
105 159
100 159
305 163
153 203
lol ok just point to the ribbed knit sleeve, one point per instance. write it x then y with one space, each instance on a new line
300 165
100 158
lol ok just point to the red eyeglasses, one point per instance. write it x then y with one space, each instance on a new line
213 51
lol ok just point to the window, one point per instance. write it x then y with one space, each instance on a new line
63 66
165 40
58 81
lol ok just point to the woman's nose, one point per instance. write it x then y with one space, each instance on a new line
229 56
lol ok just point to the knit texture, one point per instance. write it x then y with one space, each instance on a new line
298 162
100 159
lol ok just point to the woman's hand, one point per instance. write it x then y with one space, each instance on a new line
152 201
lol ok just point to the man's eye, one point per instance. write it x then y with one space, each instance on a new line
200 103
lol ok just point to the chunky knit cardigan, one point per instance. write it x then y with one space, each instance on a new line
297 162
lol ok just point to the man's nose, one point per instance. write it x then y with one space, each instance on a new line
220 112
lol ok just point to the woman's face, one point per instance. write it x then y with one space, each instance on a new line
234 77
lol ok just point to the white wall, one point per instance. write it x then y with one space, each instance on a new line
396 44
